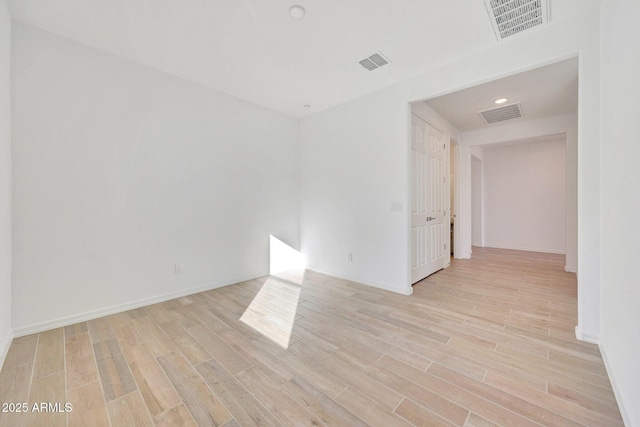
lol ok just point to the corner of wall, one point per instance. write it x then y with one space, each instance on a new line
4 347
587 336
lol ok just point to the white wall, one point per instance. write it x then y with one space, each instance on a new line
355 161
620 133
350 173
5 181
121 171
524 196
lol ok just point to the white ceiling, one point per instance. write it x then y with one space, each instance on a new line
254 50
542 92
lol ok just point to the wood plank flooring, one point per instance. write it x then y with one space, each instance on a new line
487 342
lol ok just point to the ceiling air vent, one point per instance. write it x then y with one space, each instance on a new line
500 114
374 61
510 17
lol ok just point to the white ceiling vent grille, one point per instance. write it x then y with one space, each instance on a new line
500 114
374 61
510 17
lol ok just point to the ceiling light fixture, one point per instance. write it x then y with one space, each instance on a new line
296 11
306 106
500 100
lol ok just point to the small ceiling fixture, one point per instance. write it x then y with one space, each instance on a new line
306 106
502 113
296 11
374 61
500 100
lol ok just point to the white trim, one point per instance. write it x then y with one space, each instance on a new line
397 289
614 386
4 347
569 270
587 337
408 215
514 248
94 314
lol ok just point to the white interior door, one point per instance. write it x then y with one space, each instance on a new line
427 199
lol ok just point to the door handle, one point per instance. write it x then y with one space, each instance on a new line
430 218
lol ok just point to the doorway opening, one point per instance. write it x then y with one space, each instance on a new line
548 98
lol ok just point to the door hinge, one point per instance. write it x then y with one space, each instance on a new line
444 145
444 179
445 246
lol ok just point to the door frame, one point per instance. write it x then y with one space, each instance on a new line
454 154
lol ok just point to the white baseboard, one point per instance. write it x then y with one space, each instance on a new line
94 314
614 386
396 289
515 248
4 347
586 336
569 269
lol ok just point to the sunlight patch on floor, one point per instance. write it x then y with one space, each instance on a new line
273 310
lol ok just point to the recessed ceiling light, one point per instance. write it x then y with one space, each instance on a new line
500 100
296 11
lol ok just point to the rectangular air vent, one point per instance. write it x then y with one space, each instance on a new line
500 114
509 17
374 61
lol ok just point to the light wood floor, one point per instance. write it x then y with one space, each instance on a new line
489 341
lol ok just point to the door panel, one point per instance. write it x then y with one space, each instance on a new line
427 199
